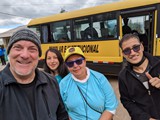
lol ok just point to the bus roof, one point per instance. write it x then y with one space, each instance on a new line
124 4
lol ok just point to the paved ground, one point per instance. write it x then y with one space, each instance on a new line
121 113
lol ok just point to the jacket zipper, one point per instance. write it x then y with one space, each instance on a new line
149 92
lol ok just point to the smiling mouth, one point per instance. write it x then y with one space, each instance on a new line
134 57
24 62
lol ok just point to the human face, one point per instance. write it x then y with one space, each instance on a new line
52 61
135 55
23 58
79 71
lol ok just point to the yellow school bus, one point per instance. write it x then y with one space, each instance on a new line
97 31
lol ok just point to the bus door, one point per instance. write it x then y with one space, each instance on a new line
140 21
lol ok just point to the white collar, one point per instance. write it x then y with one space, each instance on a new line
84 80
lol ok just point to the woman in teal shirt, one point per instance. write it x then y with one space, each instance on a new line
54 64
86 93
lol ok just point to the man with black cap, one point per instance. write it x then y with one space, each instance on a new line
26 92
139 81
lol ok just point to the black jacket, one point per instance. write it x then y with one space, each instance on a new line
140 102
15 106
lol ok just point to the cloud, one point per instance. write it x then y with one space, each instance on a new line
18 12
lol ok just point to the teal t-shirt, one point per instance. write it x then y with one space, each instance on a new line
58 78
97 91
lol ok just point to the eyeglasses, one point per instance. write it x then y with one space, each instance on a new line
78 62
135 48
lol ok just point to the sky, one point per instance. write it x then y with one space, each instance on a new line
14 13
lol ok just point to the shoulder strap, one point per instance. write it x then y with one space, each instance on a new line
87 102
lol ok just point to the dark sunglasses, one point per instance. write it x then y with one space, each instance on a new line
78 62
135 48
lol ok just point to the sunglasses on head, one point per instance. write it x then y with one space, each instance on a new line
78 62
135 48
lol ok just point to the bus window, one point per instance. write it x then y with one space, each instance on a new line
137 23
106 25
79 27
90 32
61 31
36 29
140 25
112 28
103 30
84 29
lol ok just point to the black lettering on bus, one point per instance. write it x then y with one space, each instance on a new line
61 49
53 47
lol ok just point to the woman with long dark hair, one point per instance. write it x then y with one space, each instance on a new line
54 64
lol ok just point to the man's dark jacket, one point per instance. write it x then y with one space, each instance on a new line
141 103
15 106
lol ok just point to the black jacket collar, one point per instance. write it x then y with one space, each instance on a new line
8 78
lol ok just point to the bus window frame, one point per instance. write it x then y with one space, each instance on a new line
91 18
65 37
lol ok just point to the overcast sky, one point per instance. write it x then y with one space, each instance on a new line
14 13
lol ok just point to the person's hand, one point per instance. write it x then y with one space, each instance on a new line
154 81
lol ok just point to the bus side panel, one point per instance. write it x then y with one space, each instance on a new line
103 56
105 51
158 47
107 69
